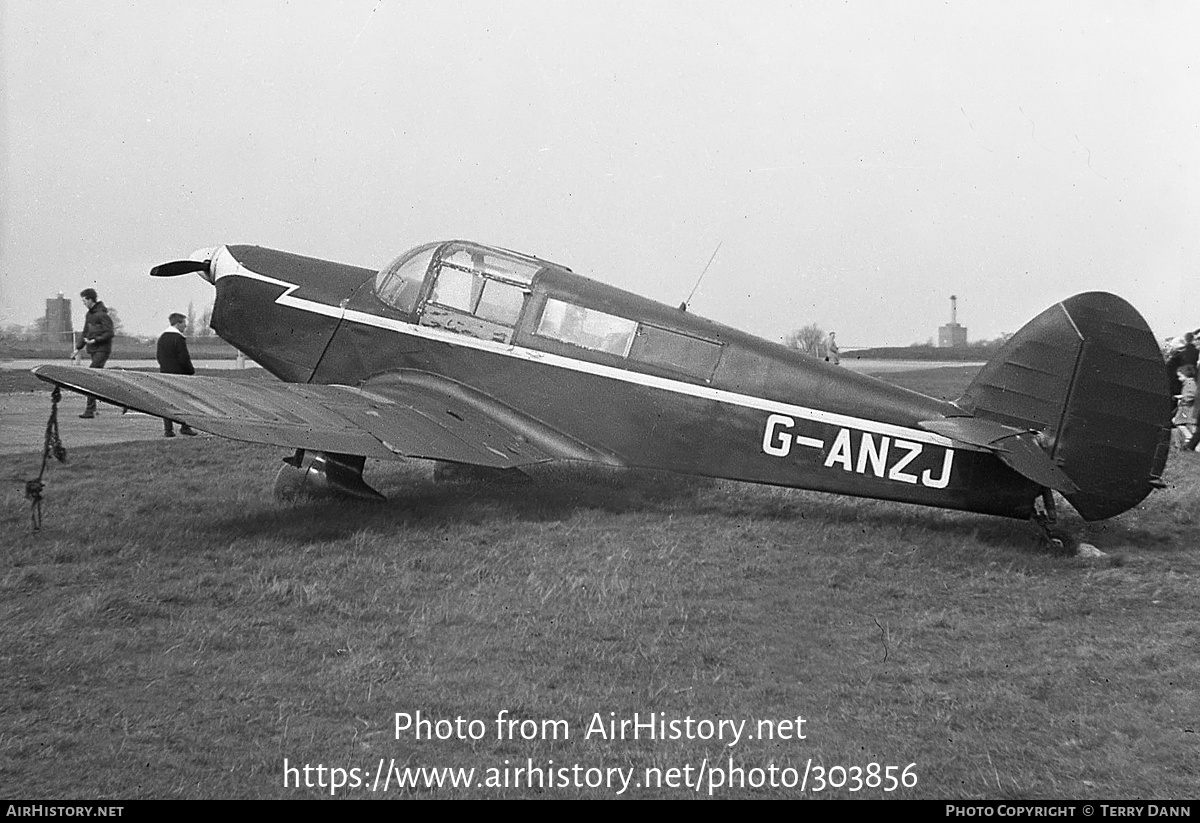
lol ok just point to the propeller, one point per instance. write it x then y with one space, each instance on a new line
178 267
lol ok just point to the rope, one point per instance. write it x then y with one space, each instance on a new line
51 446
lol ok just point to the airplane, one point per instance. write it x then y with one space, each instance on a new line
477 356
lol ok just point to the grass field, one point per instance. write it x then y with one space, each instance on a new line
174 632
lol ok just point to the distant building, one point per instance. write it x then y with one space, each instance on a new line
952 335
58 327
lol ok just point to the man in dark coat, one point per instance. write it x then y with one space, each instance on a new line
173 358
97 337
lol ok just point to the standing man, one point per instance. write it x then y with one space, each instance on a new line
173 358
97 336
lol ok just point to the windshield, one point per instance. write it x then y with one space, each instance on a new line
399 283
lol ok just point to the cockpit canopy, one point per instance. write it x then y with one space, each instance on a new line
479 280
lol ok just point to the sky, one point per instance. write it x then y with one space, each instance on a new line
856 162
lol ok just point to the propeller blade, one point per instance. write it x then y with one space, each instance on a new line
178 267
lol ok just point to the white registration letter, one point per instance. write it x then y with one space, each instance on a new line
840 451
944 480
897 472
773 441
867 451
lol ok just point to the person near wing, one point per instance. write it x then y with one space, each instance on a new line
96 338
173 358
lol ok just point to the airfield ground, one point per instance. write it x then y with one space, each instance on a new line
172 631
25 407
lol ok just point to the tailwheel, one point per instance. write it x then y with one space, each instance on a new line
1056 538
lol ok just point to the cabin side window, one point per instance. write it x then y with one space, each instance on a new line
479 293
587 328
500 302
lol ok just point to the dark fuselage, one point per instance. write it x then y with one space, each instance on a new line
641 383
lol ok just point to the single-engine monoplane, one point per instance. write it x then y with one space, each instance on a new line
468 354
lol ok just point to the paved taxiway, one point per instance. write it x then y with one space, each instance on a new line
23 417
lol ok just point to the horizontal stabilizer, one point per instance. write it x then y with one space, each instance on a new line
971 430
1019 449
1023 454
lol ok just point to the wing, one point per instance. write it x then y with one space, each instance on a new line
402 413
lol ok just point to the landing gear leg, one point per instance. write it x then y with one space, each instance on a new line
1046 519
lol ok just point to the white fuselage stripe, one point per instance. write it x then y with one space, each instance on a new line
584 366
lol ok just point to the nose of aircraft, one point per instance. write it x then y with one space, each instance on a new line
324 280
278 308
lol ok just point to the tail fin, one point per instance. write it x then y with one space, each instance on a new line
1088 375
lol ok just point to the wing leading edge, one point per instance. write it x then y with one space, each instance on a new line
403 413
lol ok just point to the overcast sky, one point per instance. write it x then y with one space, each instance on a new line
858 161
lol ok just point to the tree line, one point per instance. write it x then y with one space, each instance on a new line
37 329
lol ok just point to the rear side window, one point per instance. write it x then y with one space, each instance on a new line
587 328
678 352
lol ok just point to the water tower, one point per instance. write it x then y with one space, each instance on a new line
952 335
